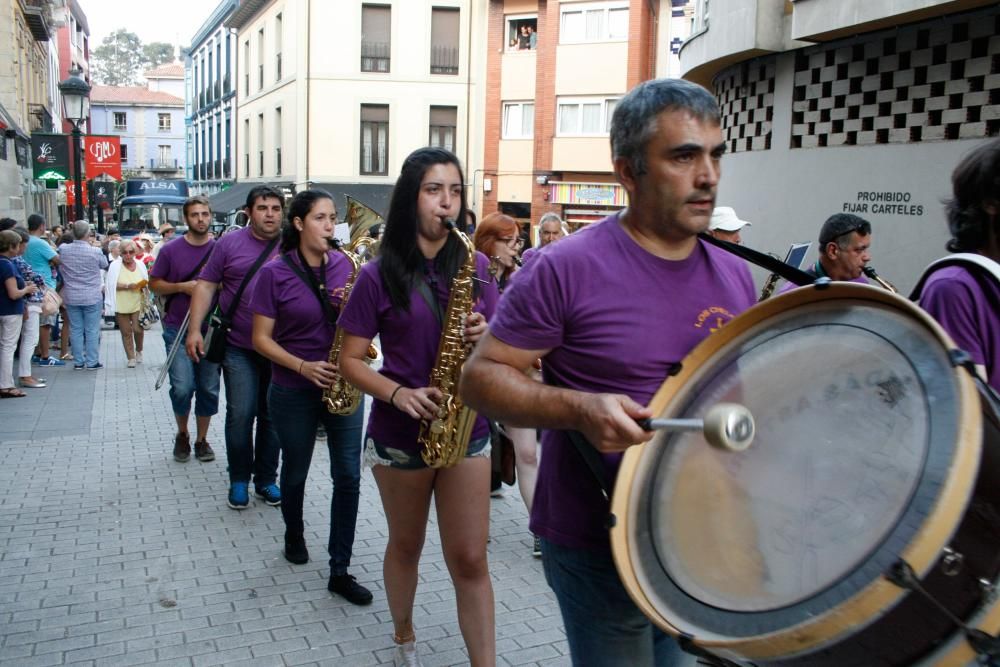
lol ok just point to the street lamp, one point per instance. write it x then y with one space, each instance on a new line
76 109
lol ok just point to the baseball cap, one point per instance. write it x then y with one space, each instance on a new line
725 219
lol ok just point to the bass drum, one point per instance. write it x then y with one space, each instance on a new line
869 457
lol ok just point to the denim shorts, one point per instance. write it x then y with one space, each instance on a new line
377 454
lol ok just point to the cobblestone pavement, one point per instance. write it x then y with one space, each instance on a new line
111 553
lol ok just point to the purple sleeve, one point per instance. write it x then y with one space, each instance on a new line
263 299
216 264
530 313
952 304
360 316
161 267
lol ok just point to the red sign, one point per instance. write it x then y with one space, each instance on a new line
71 196
103 156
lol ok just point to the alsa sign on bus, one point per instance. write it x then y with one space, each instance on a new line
148 204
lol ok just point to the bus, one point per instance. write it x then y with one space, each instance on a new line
150 203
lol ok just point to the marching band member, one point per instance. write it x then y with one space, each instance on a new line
295 303
400 296
610 310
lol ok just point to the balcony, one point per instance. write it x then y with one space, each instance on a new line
163 165
41 119
375 56
226 84
444 60
226 170
36 15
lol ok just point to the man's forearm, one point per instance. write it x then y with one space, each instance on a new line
201 301
508 395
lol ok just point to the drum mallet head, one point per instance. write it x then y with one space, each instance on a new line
726 426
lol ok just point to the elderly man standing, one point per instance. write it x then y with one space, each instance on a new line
726 225
81 265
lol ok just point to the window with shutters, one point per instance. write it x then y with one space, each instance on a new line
374 139
443 124
444 40
375 38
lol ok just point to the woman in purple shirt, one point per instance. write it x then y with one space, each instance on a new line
296 299
401 296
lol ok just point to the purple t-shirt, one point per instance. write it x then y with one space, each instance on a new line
300 325
616 319
176 261
409 343
955 299
232 258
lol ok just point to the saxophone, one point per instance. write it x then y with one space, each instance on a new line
445 438
341 397
871 273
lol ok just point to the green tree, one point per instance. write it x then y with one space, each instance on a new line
119 59
157 53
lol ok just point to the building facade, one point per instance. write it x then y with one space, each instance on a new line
210 103
857 106
342 110
150 125
73 39
550 99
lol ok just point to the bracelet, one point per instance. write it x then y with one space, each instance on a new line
301 364
392 397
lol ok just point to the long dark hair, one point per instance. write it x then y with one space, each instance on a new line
976 184
400 262
302 203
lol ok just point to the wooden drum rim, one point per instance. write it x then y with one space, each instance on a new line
921 553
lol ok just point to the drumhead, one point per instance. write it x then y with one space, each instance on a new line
859 417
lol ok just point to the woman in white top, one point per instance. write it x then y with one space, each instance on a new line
123 297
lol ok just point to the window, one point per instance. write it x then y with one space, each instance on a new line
260 59
163 122
260 144
246 148
277 48
123 152
163 155
277 140
120 123
444 40
600 22
374 139
246 67
584 116
375 41
521 35
444 121
518 120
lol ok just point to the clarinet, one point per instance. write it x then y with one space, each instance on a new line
871 273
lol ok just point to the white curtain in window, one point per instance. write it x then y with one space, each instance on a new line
610 104
595 25
569 118
528 121
511 120
572 27
366 148
618 23
382 149
591 118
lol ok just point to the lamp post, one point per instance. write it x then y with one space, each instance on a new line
76 109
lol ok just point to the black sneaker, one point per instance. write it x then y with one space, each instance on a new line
182 447
295 550
203 451
346 586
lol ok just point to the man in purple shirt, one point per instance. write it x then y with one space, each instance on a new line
174 276
963 298
610 310
246 372
81 265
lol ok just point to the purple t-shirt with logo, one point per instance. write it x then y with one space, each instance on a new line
409 343
616 319
955 299
232 258
175 263
300 325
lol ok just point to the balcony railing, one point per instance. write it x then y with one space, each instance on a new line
156 164
226 172
375 56
41 119
444 60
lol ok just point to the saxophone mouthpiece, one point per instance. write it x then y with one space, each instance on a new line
448 223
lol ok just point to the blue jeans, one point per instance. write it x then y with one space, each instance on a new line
85 333
604 628
189 380
296 413
247 375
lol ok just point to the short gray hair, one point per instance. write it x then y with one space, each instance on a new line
634 121
552 216
80 229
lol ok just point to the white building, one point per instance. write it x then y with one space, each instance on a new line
858 106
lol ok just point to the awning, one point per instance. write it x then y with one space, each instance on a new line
373 195
235 197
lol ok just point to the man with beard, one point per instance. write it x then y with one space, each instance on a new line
230 270
644 291
174 276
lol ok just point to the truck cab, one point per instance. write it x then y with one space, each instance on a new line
147 204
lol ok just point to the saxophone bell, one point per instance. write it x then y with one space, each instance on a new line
873 274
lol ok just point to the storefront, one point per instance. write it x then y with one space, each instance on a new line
584 203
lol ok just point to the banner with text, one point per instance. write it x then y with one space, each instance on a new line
50 157
103 156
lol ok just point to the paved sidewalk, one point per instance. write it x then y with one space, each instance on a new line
111 553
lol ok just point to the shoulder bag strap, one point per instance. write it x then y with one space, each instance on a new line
310 280
431 299
786 271
197 269
246 279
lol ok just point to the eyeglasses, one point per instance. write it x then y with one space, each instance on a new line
128 252
513 241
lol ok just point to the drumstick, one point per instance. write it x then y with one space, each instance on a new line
726 426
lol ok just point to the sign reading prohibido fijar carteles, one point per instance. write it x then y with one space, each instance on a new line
50 157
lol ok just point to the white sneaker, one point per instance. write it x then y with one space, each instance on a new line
131 363
406 654
138 357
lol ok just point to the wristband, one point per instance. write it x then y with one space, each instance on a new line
392 397
301 364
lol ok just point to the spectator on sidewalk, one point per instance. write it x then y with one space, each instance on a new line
246 372
173 277
12 292
32 311
44 260
81 265
167 232
123 298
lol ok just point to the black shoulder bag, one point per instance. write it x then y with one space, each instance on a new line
220 324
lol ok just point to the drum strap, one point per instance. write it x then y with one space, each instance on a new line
790 273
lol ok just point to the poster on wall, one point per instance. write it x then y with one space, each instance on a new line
50 157
103 156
